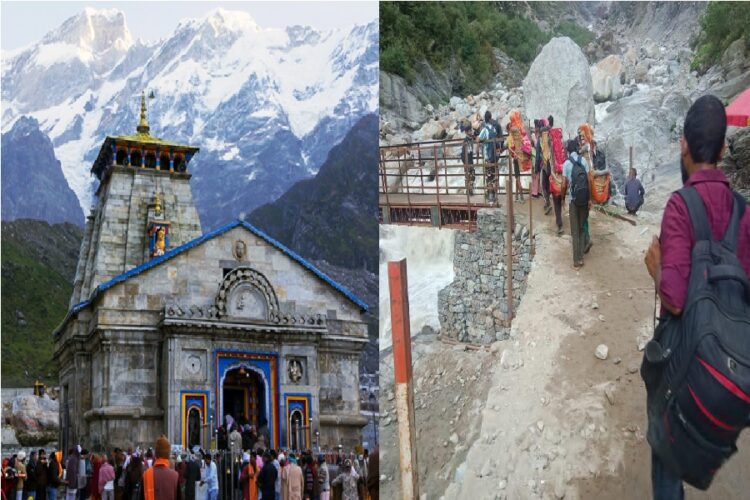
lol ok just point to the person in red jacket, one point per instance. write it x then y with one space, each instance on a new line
96 462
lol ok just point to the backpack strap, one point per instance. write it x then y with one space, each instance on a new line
733 229
697 210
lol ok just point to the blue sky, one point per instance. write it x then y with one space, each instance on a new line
25 22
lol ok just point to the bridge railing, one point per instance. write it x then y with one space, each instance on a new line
430 183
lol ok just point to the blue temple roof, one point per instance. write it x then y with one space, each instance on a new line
197 241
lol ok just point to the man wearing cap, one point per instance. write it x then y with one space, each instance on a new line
20 473
159 481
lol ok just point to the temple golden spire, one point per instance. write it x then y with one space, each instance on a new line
143 127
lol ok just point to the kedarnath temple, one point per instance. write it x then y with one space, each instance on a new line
170 330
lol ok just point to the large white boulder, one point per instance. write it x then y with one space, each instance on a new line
559 84
35 419
605 78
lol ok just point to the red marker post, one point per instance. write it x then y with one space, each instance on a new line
403 377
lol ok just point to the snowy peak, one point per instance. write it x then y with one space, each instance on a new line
260 102
231 20
93 31
302 35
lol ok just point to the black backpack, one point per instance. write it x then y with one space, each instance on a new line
579 183
697 367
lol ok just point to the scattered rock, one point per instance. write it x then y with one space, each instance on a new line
602 351
606 77
633 368
454 438
617 361
507 360
609 392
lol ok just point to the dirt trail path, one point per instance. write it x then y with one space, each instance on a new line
557 421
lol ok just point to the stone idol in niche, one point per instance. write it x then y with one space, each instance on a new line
246 301
295 371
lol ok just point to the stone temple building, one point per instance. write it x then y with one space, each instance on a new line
171 330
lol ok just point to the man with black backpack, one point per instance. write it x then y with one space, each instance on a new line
575 170
696 368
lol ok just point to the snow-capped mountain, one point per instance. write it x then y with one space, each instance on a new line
264 105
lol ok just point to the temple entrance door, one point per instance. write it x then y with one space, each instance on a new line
194 428
295 427
244 398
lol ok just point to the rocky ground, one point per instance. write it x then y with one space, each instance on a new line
540 415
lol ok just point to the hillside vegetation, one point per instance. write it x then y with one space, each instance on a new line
38 264
722 23
462 35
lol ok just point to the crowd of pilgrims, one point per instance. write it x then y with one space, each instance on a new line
161 474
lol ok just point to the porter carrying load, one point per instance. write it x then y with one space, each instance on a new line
599 175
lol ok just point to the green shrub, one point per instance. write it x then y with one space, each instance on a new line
460 32
721 24
580 35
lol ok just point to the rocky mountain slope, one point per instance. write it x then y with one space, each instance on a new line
330 219
38 265
332 216
264 105
33 184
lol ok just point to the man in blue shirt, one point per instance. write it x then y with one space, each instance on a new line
580 201
633 193
211 478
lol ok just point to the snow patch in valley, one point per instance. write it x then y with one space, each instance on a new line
233 153
60 53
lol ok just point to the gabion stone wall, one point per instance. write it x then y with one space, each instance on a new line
474 307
